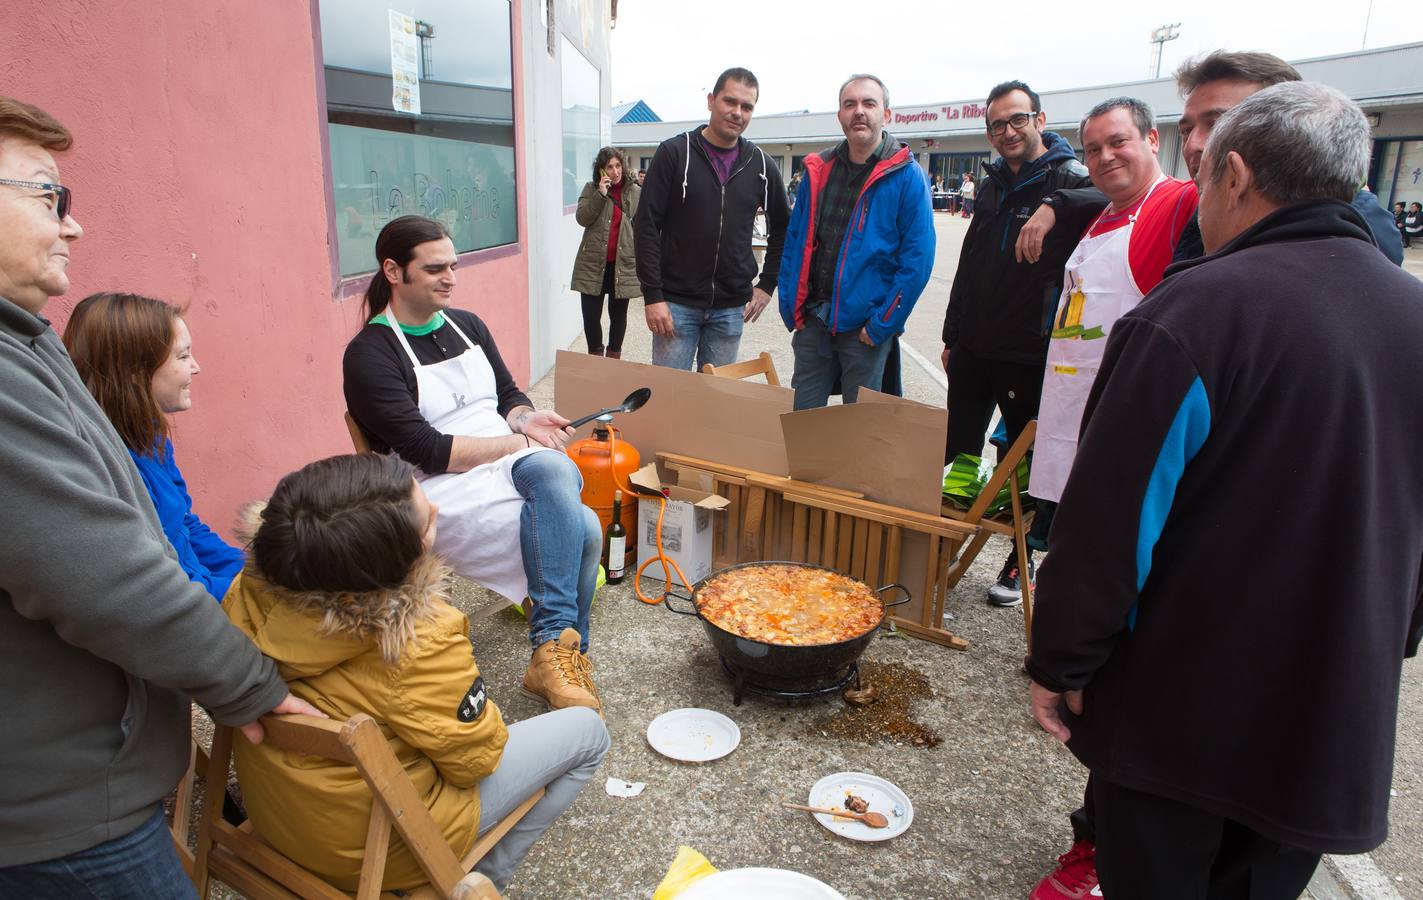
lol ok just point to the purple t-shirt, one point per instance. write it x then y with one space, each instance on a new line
722 160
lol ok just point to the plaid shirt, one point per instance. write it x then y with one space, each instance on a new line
832 215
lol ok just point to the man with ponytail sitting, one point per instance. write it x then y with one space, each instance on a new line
427 383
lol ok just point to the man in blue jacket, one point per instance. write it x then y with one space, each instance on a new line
858 251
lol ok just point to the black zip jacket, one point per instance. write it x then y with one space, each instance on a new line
1236 563
693 235
1000 308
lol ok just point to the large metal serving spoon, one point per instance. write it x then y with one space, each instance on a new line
872 819
631 403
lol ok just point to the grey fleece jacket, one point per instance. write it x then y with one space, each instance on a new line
103 638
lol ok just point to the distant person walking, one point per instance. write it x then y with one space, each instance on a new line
605 266
966 188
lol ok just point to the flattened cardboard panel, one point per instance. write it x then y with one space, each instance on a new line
892 451
889 448
721 419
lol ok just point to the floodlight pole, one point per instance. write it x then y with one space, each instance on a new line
1159 36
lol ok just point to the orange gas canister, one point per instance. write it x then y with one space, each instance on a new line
595 458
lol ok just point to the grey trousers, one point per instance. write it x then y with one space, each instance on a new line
558 751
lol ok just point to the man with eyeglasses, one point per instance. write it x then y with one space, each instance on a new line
103 638
996 327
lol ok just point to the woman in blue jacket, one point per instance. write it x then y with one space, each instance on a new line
136 357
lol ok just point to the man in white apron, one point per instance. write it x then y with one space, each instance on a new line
1120 258
427 382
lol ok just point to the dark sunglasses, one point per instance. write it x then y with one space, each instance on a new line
63 197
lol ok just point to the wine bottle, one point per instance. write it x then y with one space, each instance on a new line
615 542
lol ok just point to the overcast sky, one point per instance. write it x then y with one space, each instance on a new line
668 52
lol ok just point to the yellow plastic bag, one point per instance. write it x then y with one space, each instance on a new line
688 868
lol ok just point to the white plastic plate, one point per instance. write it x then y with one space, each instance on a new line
693 735
882 796
760 884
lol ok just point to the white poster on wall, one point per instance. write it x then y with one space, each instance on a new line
404 64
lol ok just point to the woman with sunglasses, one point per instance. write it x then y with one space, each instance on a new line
136 357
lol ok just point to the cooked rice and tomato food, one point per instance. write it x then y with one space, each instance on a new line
785 604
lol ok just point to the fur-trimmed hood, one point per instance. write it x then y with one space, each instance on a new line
282 623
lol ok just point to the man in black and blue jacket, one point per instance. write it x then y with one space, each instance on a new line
1179 648
996 328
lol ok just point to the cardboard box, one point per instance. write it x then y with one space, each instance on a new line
688 527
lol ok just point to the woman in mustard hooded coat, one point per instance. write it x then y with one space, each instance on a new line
343 593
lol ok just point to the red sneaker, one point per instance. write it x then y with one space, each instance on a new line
1074 878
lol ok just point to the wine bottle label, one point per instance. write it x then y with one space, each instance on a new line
617 547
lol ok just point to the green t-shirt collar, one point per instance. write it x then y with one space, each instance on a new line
429 327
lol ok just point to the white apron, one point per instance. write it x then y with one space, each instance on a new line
1098 288
477 527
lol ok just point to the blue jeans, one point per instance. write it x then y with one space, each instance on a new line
141 865
559 751
821 357
561 540
708 335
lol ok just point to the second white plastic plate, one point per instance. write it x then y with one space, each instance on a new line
882 796
693 735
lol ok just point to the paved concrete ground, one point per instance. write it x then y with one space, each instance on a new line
990 801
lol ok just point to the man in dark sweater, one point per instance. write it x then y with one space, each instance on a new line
1205 416
996 326
427 382
1211 85
693 232
104 640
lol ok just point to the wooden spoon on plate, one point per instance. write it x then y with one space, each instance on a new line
872 819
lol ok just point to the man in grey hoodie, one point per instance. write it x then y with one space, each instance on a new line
103 639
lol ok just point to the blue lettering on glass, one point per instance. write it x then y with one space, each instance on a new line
378 176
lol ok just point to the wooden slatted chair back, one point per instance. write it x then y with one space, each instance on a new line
238 856
747 368
358 437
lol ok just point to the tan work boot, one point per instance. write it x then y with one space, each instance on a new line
561 676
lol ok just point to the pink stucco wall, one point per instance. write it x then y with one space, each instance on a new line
199 178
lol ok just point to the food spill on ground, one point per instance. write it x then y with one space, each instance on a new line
889 716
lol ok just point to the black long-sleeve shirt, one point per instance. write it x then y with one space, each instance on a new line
382 396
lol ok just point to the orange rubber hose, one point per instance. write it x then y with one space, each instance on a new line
661 554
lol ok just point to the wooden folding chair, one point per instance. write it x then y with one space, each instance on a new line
1012 523
240 857
358 437
183 805
747 368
